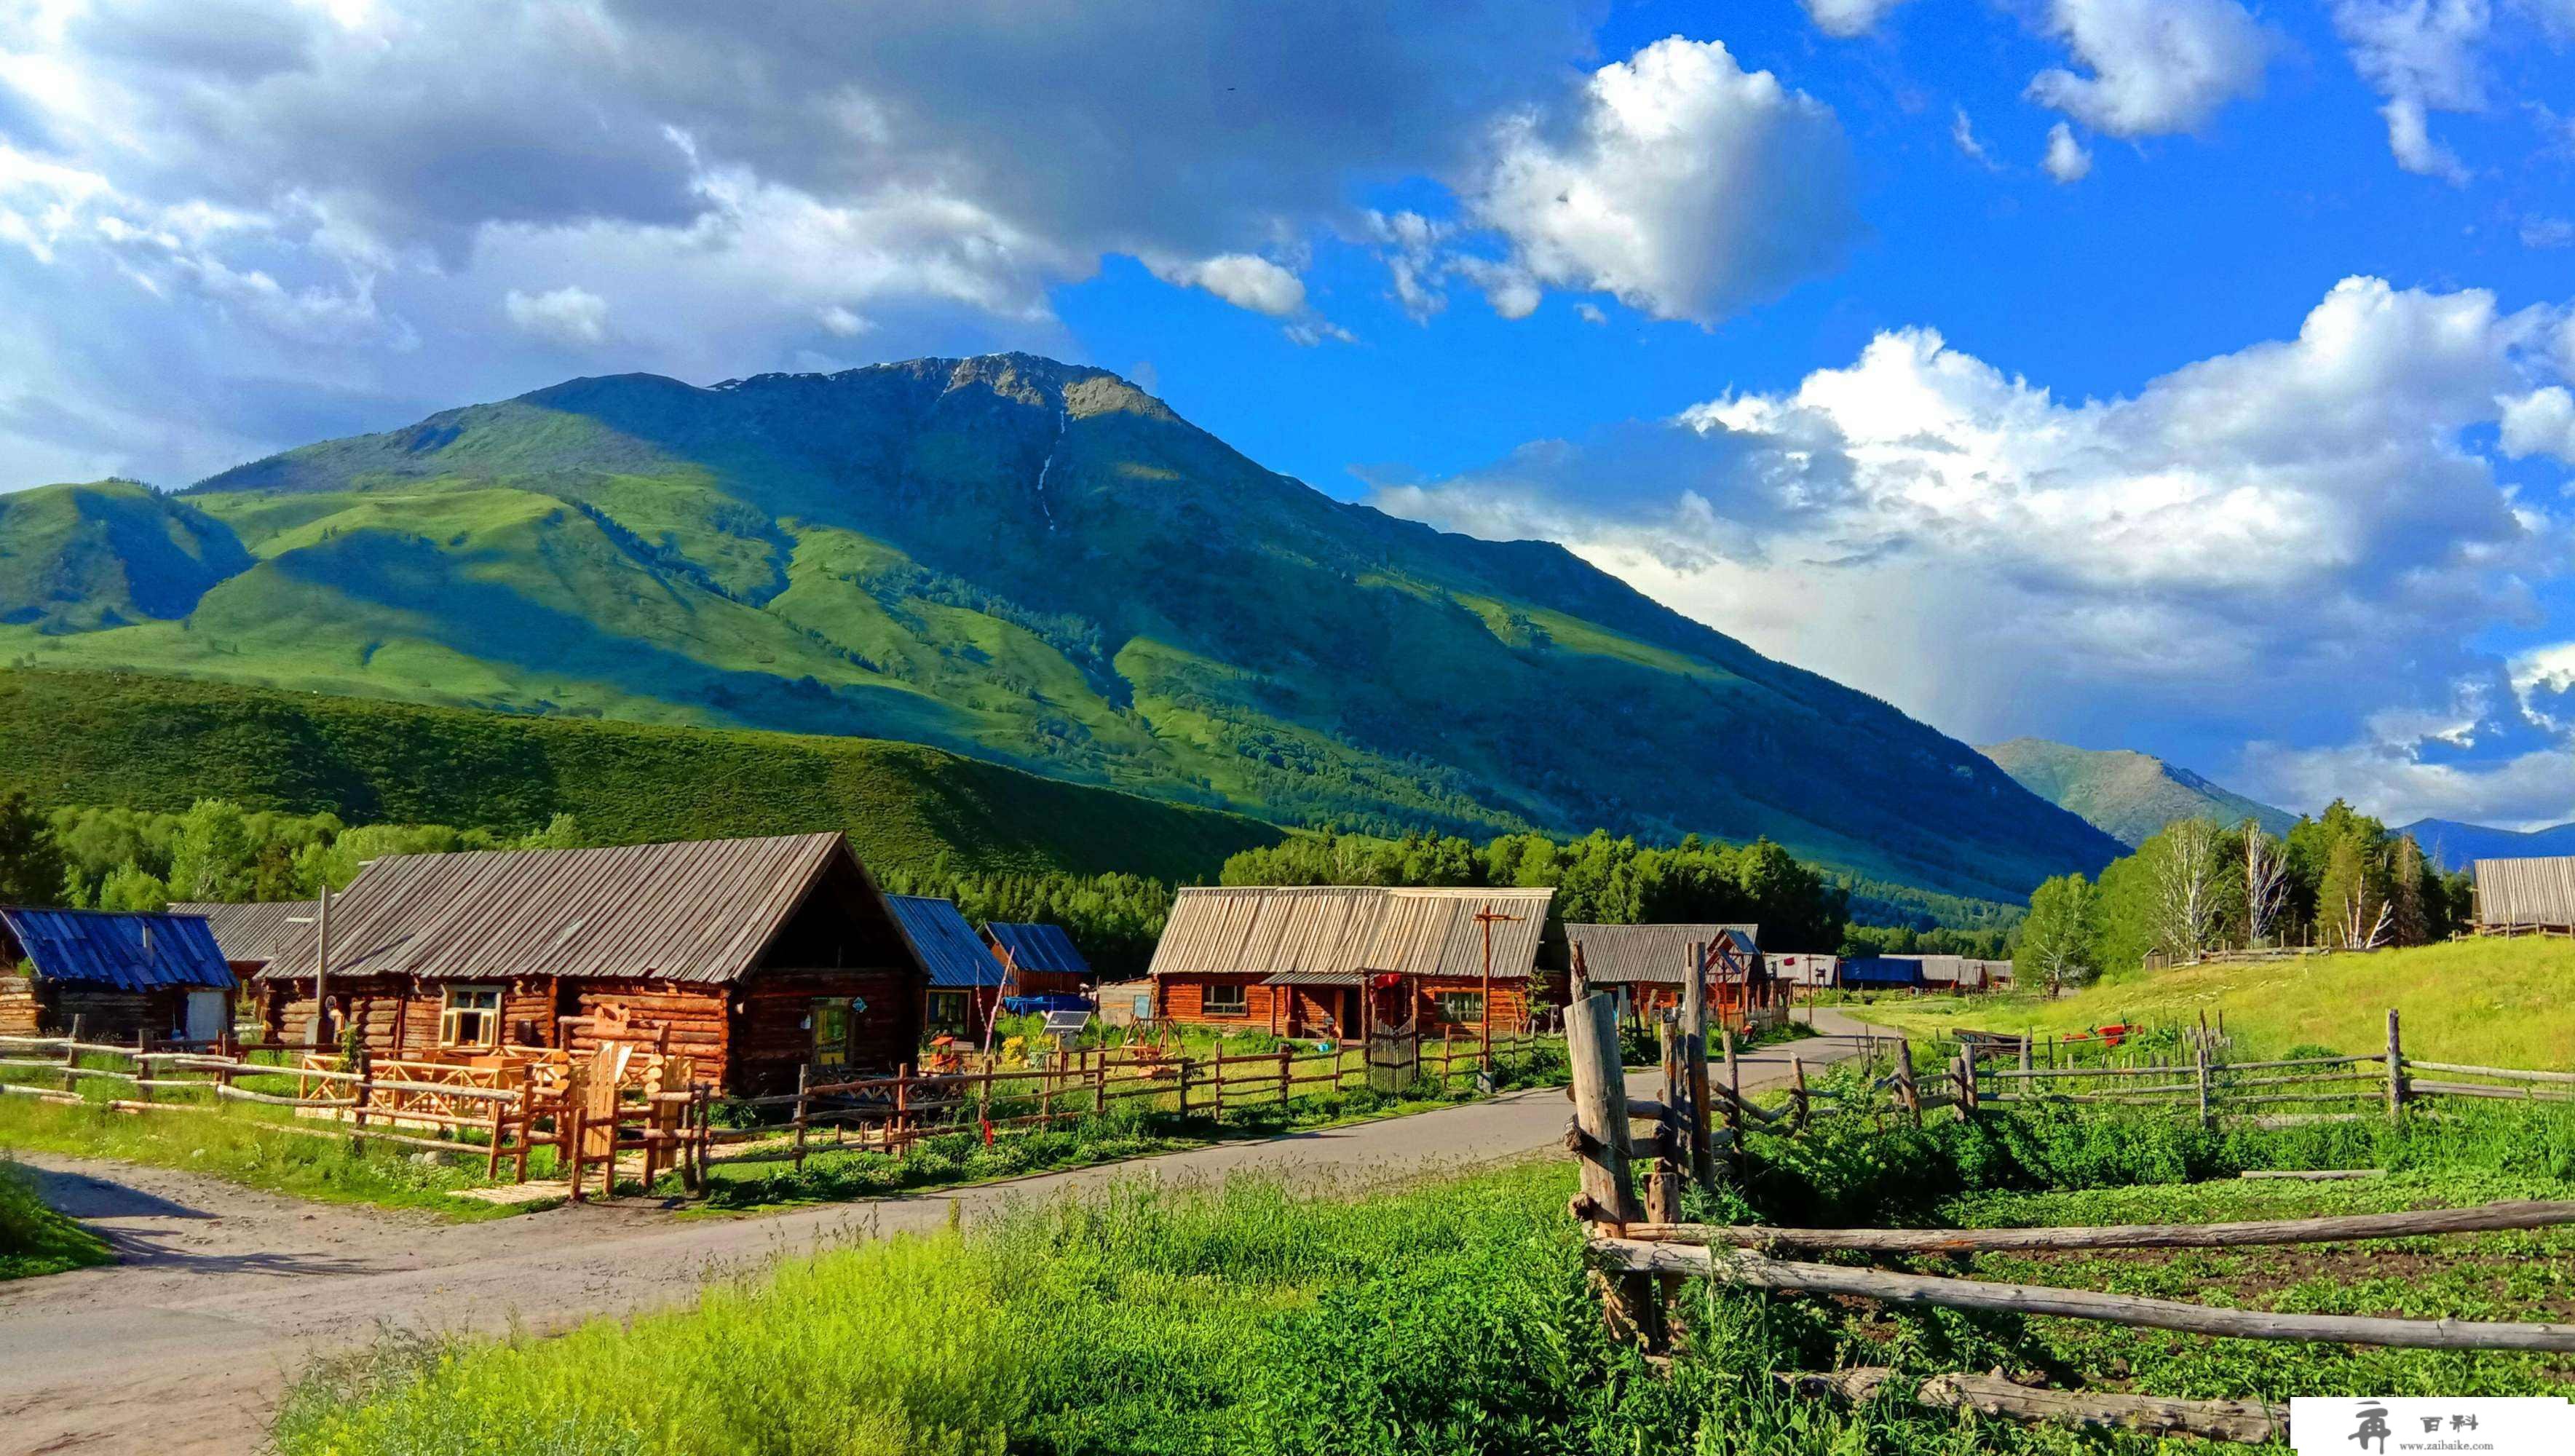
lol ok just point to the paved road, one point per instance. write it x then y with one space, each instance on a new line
223 1291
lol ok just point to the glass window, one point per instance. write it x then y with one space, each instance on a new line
1227 1002
947 1011
831 1034
470 1016
1459 1007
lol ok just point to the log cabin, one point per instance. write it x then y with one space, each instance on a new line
1647 966
1341 960
754 957
115 972
1041 958
965 980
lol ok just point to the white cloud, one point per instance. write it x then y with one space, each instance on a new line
2312 514
1240 279
730 181
1962 133
2547 233
1590 313
2540 423
570 314
2157 65
1848 18
2066 158
1682 184
2422 56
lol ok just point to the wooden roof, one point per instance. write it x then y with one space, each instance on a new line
700 910
251 931
1340 930
1630 954
2538 890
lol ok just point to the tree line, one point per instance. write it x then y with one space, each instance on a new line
2338 880
1597 880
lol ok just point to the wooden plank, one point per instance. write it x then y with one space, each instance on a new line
1758 1271
2246 1421
2339 1228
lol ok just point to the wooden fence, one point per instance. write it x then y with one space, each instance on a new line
1641 1251
891 1114
497 1115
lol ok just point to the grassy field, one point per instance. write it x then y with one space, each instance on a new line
163 742
34 1239
1456 1318
2494 1002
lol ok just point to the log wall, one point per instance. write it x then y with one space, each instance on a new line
21 1014
1183 998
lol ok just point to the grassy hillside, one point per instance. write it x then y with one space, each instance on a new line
159 744
2492 1003
85 558
2126 795
1041 566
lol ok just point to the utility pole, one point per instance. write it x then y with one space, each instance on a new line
319 920
1485 917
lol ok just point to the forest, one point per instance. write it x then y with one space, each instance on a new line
2339 880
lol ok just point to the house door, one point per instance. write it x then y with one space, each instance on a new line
209 1015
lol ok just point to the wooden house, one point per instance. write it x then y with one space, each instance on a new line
1648 964
2531 893
1041 958
249 934
1883 973
1340 961
115 972
965 980
752 956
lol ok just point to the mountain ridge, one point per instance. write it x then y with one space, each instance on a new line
2457 846
2125 794
1043 565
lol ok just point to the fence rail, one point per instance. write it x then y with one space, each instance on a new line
1642 1252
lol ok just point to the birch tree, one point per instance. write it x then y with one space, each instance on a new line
2186 899
2266 884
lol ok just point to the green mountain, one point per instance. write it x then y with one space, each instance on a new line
1043 566
159 744
2126 795
80 558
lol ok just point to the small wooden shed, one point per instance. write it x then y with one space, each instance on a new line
1648 964
118 973
1341 960
752 956
2532 893
1041 958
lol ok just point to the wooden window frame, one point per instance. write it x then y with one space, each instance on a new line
451 1016
939 996
1239 996
821 1014
1446 1003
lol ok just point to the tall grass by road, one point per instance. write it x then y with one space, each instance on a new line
1456 1319
35 1240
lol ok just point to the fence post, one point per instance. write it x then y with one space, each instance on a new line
366 1084
804 1080
1694 1037
1599 1139
71 1055
2025 1039
2205 1119
491 1160
2395 1069
142 1066
1283 1077
1798 1088
1100 1087
569 1129
1906 1093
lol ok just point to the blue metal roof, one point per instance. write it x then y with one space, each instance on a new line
1039 947
120 949
946 945
1882 971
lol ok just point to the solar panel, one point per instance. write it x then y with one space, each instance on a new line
1066 1023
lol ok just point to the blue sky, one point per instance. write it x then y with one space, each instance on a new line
2187 376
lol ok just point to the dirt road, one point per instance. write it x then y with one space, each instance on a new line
222 1291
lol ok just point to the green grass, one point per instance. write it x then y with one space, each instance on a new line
161 743
34 1239
1457 1319
2489 1002
1127 1130
235 1144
